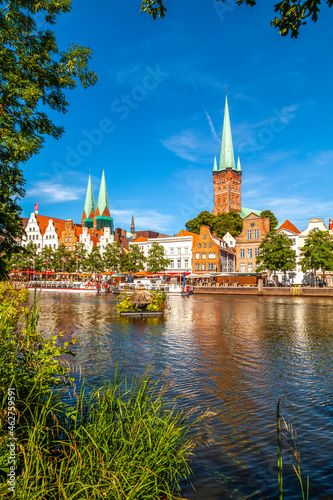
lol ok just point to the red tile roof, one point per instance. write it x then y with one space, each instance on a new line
140 239
43 222
289 226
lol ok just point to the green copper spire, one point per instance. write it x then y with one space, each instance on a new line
132 225
215 169
239 168
89 204
103 202
227 159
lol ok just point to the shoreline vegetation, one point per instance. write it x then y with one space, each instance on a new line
123 440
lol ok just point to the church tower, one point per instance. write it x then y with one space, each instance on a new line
89 207
227 178
132 229
102 215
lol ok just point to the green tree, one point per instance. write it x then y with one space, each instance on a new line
228 222
273 220
317 252
291 13
78 257
276 254
46 258
61 259
134 260
94 262
112 256
219 224
157 261
35 75
203 219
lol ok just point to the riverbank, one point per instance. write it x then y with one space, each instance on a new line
267 291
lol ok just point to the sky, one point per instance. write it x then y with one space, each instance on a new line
154 120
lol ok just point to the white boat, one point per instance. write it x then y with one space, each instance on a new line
64 286
152 284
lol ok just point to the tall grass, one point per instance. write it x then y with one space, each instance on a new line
123 440
288 435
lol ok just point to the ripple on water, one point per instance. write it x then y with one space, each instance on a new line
234 356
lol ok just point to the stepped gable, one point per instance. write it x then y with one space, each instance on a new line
289 227
43 222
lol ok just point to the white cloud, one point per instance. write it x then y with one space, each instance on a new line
192 146
52 192
145 219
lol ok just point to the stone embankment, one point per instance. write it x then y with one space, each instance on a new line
255 290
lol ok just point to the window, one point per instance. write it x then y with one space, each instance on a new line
74 247
197 256
179 250
38 245
205 245
70 239
172 265
249 267
203 267
256 234
249 234
179 263
54 246
70 248
203 256
256 252
242 253
210 244
211 266
186 249
172 251
212 255
242 267
186 262
204 236
199 245
66 239
197 267
249 253
106 240
315 229
293 241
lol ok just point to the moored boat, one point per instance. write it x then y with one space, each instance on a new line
64 286
153 284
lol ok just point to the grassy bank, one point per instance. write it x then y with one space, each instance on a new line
120 441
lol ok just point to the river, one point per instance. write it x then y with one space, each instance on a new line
234 356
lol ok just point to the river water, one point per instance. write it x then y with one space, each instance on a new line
234 356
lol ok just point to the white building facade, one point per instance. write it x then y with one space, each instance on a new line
178 249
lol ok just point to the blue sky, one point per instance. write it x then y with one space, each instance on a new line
155 117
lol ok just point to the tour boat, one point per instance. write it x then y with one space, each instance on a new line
67 286
153 284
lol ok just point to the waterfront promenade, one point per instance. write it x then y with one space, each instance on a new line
267 291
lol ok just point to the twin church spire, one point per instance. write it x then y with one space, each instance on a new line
99 217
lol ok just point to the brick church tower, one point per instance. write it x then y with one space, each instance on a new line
227 178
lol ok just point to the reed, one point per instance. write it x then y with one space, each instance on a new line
124 440
289 436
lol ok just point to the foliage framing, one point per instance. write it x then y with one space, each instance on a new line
34 76
291 13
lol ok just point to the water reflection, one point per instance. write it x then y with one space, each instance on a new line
235 356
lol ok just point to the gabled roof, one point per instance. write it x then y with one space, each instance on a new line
183 232
247 211
140 239
289 227
43 222
163 236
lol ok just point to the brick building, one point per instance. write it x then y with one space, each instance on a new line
210 253
255 229
70 235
